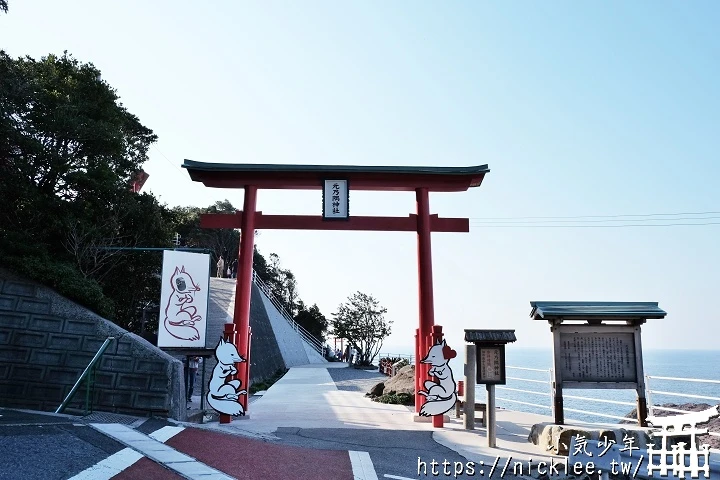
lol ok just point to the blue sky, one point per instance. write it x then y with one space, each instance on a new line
603 108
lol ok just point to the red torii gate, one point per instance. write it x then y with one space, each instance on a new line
252 177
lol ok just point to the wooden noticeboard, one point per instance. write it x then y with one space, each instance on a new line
598 357
604 356
490 364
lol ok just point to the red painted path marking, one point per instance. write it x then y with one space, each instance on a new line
145 469
247 459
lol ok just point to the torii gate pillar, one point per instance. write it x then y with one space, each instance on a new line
426 305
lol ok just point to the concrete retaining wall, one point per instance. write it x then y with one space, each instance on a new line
265 354
294 350
46 341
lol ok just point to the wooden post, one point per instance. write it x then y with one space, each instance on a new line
558 412
490 414
642 408
469 408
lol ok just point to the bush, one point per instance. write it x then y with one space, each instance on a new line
396 398
62 277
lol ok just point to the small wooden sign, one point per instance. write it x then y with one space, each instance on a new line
336 200
490 364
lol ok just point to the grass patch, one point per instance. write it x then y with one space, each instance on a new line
267 383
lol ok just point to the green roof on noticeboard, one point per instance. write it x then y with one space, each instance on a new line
595 310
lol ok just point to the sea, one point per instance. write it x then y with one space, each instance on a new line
684 364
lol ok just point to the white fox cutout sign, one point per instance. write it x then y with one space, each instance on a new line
222 393
440 397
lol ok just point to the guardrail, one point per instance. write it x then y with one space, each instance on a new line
530 392
650 393
401 356
304 334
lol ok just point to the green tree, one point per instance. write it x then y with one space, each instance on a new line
68 149
361 321
283 285
4 5
312 320
221 241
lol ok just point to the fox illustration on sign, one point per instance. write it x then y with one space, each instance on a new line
180 313
440 397
223 394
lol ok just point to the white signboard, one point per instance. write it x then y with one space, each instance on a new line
184 299
336 199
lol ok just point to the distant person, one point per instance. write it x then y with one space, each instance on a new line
220 267
193 364
234 268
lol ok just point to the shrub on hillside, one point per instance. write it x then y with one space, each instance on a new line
62 277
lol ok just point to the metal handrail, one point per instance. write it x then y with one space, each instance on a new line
544 382
543 370
648 390
618 417
524 403
500 387
401 356
653 407
685 395
600 400
85 373
700 380
307 336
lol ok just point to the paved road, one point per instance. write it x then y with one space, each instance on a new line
45 447
36 446
393 452
48 447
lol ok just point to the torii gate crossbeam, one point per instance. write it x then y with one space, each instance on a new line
421 180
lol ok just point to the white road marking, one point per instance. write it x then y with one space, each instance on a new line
166 433
125 458
362 466
111 466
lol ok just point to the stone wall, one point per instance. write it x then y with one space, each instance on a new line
46 341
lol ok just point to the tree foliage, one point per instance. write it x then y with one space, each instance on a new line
68 150
280 281
220 241
361 320
312 320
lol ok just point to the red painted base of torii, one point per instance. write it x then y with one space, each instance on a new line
421 180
